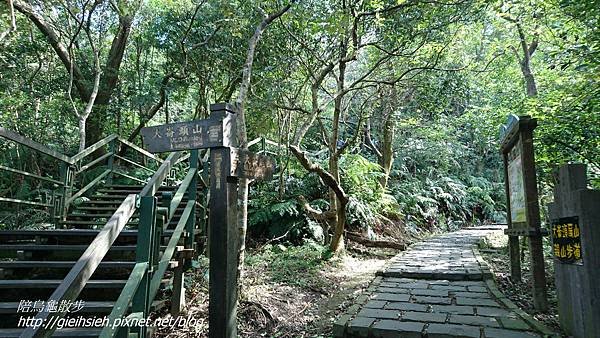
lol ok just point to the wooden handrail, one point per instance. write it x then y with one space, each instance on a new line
255 141
140 150
94 162
170 250
24 173
8 134
87 187
83 269
18 201
160 174
181 191
135 179
133 163
122 304
91 149
267 141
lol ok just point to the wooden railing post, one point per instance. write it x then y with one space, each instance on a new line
192 192
144 253
66 174
111 160
204 210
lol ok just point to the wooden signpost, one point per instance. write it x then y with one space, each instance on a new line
575 219
523 211
227 164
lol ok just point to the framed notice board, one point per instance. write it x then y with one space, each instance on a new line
516 186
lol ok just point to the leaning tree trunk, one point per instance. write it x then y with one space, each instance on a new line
334 185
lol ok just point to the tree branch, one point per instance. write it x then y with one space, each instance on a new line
327 178
54 40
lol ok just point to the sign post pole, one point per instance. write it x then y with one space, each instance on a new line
223 244
523 206
227 164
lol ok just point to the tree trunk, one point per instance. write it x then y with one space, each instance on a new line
337 242
243 136
82 132
387 152
530 85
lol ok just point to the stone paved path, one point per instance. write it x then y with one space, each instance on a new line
438 288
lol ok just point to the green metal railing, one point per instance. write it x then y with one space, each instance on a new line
73 182
144 281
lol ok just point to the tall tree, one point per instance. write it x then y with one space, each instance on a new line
39 15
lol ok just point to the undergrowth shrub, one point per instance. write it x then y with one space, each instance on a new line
292 265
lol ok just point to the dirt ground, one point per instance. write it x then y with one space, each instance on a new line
496 254
304 302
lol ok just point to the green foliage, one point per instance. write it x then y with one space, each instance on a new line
292 265
447 75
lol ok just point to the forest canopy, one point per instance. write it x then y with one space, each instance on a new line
395 103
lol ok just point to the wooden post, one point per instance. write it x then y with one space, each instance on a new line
223 246
522 196
190 226
576 272
178 297
66 175
536 249
144 253
204 210
112 148
513 241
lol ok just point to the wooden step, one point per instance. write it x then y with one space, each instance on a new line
54 283
59 247
78 222
119 196
92 208
72 233
65 332
88 307
113 202
178 213
60 264
63 247
135 186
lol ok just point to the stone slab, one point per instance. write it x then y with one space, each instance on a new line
476 302
406 306
392 297
380 314
502 333
473 320
513 324
457 309
425 317
360 326
452 331
432 300
396 329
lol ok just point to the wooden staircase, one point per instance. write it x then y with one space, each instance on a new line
34 262
117 248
